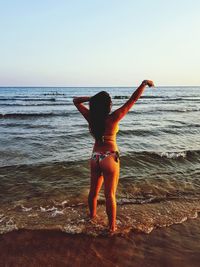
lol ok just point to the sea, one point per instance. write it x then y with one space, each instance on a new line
45 147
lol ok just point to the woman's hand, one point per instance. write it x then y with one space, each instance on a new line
81 99
148 82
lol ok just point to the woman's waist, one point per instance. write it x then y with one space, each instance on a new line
105 147
109 138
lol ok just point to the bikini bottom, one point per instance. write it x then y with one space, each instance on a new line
99 156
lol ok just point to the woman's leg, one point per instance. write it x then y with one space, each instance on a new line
95 186
110 169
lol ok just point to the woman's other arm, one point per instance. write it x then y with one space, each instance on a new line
123 110
78 102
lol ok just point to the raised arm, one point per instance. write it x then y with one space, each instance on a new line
119 113
78 102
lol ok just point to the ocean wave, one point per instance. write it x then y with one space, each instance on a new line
174 155
193 109
183 126
29 115
144 97
28 99
57 97
129 158
54 94
162 98
153 96
35 105
74 112
138 132
157 131
184 99
165 110
186 154
142 218
147 161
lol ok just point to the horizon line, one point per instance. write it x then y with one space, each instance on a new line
112 86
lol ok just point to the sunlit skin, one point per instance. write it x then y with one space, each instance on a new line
108 169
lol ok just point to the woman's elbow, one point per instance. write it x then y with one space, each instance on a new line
75 100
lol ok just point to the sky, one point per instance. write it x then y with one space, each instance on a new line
99 42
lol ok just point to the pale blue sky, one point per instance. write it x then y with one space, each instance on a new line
99 42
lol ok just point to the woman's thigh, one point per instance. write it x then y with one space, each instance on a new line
96 177
110 169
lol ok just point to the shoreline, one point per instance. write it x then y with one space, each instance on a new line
177 245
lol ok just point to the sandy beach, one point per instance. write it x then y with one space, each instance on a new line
173 246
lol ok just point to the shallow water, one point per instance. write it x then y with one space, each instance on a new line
45 146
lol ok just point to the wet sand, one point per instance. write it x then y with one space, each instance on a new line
178 245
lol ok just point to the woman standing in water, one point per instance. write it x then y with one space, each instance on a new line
104 162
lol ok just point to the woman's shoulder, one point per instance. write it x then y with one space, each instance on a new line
111 123
111 118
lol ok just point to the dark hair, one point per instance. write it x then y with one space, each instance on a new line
99 109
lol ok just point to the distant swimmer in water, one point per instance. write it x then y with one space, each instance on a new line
105 162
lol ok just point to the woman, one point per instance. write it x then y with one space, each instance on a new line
104 163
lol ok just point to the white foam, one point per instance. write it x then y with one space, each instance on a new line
181 220
194 216
53 211
2 218
173 155
73 229
25 208
8 225
57 212
64 202
47 209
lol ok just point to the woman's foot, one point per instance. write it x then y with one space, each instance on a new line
113 229
93 219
